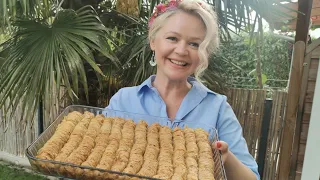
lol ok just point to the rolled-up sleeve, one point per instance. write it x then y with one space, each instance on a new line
230 131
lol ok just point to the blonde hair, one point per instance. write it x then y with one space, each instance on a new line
205 12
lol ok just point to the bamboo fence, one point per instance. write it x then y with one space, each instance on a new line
17 133
248 106
271 169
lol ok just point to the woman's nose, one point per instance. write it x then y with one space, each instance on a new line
181 49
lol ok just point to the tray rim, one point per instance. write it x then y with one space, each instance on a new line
86 167
29 156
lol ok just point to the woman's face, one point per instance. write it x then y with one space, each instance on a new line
176 46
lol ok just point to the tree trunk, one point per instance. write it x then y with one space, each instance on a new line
258 56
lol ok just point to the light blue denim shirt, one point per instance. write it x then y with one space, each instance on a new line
201 107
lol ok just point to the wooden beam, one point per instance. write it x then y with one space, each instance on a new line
292 25
315 13
294 5
303 20
302 31
290 10
291 110
302 28
298 129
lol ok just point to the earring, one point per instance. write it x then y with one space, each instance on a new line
153 61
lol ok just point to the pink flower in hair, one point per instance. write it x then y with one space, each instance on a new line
163 7
172 3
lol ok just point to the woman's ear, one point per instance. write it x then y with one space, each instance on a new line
152 44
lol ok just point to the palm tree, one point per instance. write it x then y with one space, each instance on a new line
92 48
50 52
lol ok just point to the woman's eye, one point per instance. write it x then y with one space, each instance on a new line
194 44
172 38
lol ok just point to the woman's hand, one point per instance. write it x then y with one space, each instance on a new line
223 148
234 168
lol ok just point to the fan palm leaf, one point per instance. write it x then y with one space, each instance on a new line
44 56
11 9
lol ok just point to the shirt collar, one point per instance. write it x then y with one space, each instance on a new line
146 83
199 87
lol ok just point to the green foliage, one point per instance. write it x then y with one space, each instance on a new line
240 61
3 37
9 173
15 9
43 57
264 78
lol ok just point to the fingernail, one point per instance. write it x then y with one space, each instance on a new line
218 145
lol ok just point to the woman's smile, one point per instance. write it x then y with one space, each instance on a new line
178 63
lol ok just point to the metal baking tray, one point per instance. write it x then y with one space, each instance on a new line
52 168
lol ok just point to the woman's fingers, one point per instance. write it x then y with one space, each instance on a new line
223 148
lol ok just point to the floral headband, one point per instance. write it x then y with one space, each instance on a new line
168 5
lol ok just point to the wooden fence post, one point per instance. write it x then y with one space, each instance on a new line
264 135
302 28
40 118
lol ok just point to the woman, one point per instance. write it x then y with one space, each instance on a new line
182 35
